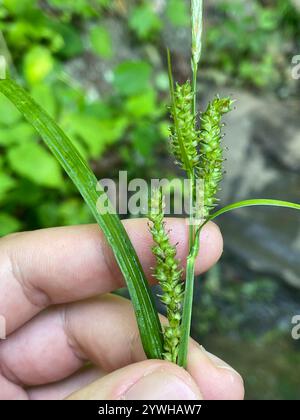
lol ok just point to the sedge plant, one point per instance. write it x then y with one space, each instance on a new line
196 144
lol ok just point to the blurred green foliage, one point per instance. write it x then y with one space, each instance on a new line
38 39
221 312
253 42
120 123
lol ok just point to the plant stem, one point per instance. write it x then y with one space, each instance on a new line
190 266
192 177
188 303
194 85
191 204
196 8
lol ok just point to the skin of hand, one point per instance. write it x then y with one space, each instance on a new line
68 337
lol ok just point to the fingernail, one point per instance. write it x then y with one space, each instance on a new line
219 363
161 385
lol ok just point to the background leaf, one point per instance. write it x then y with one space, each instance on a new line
6 184
142 105
101 41
35 163
178 13
9 115
18 133
38 63
132 77
8 224
43 94
144 21
96 134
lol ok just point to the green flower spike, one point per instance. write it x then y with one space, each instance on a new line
168 273
211 166
183 132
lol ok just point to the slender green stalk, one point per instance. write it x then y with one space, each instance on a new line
197 28
196 9
189 284
194 86
191 209
188 303
84 179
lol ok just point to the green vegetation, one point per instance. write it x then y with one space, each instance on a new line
253 43
51 49
39 43
44 43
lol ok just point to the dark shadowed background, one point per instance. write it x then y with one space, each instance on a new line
99 68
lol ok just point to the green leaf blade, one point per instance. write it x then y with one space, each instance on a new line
113 229
255 202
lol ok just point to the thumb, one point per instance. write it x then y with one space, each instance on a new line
147 380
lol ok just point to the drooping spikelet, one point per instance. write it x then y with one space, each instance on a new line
183 137
211 166
168 273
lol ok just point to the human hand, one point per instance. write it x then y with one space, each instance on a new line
54 286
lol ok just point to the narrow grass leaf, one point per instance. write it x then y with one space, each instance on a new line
255 202
84 179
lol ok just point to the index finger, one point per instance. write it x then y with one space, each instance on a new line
66 264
